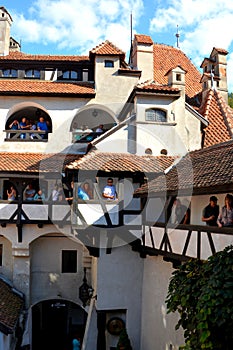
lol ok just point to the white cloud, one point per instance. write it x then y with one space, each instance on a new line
78 25
202 26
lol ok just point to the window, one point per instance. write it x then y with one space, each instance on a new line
32 73
156 115
0 254
108 63
72 75
69 261
9 73
178 77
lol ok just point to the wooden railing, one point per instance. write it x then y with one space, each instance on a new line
182 242
26 135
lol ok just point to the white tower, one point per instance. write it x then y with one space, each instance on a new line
5 25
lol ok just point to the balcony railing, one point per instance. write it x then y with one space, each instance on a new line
182 242
26 135
33 212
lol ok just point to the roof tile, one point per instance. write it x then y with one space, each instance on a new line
166 58
122 162
11 304
107 48
34 162
9 87
220 117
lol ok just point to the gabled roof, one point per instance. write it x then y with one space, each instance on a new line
107 48
220 118
34 162
121 162
11 304
35 87
166 58
205 171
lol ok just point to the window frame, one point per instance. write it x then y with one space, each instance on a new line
68 75
108 63
69 261
10 75
35 73
162 118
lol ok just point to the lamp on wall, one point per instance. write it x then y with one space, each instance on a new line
95 113
85 291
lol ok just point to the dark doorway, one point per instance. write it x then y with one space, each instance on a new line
55 323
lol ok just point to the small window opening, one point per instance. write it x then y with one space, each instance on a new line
69 261
178 77
108 63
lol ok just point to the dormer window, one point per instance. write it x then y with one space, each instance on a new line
108 64
32 73
9 73
156 115
178 77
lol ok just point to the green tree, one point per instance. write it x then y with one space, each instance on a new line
202 293
230 99
124 342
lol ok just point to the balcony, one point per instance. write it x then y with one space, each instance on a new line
26 135
183 242
32 212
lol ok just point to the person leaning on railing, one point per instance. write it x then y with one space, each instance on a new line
225 217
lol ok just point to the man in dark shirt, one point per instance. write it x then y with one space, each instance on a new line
210 212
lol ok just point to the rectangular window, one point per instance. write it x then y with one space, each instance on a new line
69 261
108 63
1 254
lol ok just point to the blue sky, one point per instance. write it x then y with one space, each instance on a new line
73 27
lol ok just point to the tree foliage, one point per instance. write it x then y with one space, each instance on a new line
202 293
230 99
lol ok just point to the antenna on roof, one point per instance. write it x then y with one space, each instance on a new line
131 38
177 37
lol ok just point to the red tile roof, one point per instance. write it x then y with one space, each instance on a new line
166 58
205 171
122 162
35 87
34 162
11 304
220 118
107 48
15 55
152 86
143 39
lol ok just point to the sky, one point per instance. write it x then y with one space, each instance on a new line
74 27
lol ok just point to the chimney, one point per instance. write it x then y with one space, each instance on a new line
142 56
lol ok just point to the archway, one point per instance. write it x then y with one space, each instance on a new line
31 111
55 323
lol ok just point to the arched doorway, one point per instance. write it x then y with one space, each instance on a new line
55 323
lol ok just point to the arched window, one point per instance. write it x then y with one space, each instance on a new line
156 115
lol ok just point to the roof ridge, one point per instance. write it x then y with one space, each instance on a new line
224 110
